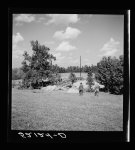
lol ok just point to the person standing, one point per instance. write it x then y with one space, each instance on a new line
81 89
96 90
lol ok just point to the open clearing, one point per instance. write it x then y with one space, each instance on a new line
58 110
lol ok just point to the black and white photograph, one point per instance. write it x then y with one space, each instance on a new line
67 72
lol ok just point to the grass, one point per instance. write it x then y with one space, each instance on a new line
58 110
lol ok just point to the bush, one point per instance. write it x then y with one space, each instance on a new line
90 80
55 78
110 74
72 77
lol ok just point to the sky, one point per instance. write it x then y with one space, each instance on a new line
68 36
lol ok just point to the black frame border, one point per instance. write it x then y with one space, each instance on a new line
72 136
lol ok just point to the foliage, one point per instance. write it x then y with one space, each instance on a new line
90 80
58 69
110 74
72 77
37 66
17 74
55 78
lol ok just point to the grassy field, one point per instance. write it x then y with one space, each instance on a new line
58 110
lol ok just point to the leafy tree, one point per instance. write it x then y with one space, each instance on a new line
37 66
117 77
62 70
86 69
55 68
72 77
90 79
110 74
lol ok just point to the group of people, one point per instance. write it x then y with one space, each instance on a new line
96 89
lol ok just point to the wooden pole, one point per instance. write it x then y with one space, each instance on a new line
80 66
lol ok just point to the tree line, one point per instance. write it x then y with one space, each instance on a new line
35 68
17 73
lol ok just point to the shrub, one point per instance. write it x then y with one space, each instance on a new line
72 77
90 80
110 74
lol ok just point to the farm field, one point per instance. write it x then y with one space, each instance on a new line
58 110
